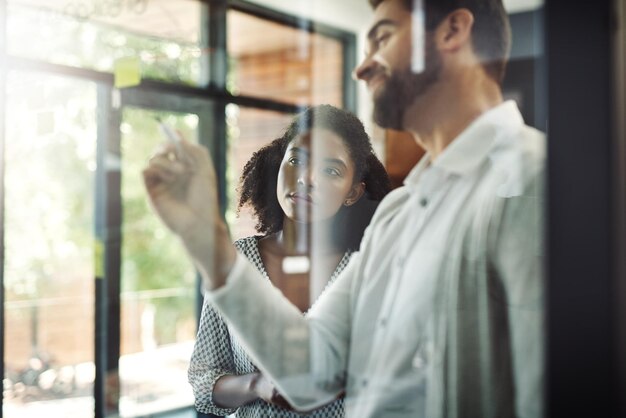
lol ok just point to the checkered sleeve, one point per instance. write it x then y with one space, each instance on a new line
212 358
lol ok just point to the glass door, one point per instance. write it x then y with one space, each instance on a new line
157 281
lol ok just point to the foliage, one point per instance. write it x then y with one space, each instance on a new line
152 257
50 174
62 39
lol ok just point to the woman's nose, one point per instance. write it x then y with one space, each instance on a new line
306 177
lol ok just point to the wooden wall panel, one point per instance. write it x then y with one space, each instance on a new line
401 155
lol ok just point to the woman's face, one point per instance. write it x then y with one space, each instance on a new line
316 177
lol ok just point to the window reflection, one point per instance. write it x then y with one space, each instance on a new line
49 270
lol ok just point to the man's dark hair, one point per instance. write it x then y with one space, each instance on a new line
491 34
260 175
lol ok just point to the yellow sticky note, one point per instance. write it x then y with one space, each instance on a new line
127 72
99 258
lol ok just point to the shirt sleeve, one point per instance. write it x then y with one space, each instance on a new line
305 357
519 260
212 358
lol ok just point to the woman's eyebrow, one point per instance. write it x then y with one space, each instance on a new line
299 150
336 161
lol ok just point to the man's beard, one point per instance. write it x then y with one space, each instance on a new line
402 88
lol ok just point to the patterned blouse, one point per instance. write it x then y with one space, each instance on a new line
217 353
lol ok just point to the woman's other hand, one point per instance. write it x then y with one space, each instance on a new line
266 391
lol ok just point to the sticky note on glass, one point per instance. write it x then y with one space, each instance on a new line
127 72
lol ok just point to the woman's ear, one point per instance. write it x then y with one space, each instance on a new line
355 193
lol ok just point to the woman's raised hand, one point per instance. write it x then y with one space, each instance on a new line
182 189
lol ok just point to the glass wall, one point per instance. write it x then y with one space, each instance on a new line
157 280
100 301
100 305
49 265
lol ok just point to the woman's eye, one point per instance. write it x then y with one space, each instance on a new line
294 161
332 172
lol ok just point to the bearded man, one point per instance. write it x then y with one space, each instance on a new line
440 313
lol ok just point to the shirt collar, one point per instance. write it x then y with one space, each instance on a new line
468 150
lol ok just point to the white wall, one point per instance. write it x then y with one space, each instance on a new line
349 15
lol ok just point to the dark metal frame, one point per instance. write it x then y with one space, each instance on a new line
108 219
582 355
619 103
209 93
208 100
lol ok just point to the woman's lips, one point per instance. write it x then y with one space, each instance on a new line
301 197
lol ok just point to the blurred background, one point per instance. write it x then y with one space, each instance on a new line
99 302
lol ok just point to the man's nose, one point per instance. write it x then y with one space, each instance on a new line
364 70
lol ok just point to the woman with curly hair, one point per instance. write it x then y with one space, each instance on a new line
313 192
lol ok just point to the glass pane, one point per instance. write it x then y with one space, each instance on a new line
49 269
291 65
163 35
248 130
158 298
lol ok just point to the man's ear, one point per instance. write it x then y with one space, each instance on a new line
355 193
454 31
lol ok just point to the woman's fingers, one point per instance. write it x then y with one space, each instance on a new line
277 399
160 175
198 157
192 156
167 165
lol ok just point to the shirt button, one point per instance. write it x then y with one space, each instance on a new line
423 202
418 361
364 383
383 322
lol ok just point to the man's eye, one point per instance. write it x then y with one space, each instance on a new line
382 39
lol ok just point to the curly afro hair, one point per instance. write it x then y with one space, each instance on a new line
260 175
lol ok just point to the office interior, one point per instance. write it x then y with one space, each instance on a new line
100 304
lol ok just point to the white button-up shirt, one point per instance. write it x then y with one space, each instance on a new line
440 313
